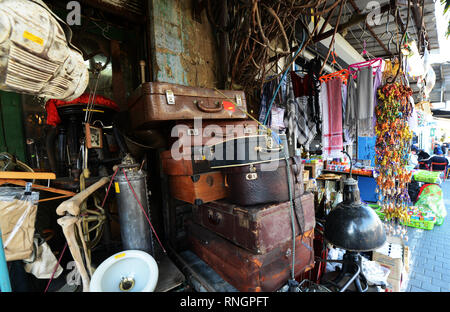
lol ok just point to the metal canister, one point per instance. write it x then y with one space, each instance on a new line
135 229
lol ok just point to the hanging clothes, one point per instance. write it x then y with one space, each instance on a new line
377 81
331 100
350 111
361 101
300 110
366 103
266 97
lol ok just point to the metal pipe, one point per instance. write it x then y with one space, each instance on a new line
5 284
351 279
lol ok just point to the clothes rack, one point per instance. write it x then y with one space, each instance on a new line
374 63
343 73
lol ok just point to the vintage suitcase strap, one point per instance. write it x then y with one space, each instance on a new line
304 213
295 213
298 169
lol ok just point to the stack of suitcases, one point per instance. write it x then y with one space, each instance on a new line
239 182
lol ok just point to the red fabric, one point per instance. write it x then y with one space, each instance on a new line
52 114
52 105
301 86
84 99
335 140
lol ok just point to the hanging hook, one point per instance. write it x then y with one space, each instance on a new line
388 31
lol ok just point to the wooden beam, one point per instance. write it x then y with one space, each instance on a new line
355 7
27 175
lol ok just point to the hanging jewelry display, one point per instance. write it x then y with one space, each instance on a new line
392 150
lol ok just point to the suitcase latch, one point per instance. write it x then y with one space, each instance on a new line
238 100
248 130
170 97
192 132
251 176
269 142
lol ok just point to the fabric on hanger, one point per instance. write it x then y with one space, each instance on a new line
301 85
266 97
332 141
377 81
365 104
301 128
346 139
350 119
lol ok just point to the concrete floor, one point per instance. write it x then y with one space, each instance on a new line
430 254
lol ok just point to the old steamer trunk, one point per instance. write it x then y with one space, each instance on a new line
183 164
259 228
198 189
153 102
246 271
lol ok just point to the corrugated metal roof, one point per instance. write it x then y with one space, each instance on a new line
359 34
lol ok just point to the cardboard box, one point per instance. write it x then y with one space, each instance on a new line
393 285
395 256
308 185
305 175
315 169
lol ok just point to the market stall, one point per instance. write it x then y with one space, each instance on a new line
220 146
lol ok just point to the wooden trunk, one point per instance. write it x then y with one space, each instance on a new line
257 228
185 164
246 271
198 189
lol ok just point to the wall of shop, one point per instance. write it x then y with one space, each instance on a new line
183 50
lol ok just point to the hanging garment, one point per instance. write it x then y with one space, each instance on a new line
268 92
332 141
365 104
350 111
377 80
309 86
299 112
346 138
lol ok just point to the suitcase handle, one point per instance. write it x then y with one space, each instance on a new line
206 109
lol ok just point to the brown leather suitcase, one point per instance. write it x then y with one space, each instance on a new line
153 102
209 132
242 151
232 152
249 272
183 164
257 228
198 189
264 183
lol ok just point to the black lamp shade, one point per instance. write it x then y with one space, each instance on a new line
352 225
